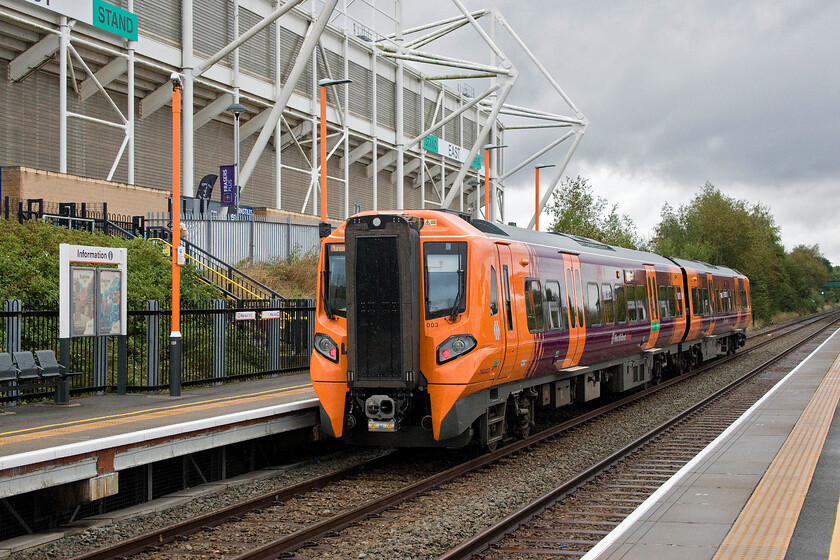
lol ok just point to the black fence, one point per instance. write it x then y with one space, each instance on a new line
220 344
82 216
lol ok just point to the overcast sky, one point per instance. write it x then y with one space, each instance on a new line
744 94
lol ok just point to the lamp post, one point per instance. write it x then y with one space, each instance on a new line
537 196
236 109
324 228
487 149
175 340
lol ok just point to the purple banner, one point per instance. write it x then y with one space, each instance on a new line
228 184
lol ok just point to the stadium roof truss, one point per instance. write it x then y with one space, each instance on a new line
272 117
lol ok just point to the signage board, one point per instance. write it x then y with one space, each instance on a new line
114 19
227 182
97 13
447 149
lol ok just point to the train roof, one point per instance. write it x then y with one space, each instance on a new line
578 244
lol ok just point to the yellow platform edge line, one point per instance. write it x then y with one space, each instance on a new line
765 525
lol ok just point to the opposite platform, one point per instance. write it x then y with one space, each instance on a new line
49 445
743 495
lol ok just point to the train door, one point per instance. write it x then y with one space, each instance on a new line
574 308
653 306
711 302
507 325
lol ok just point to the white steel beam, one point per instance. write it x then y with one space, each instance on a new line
211 110
357 153
309 44
408 169
33 58
105 75
254 124
155 100
381 163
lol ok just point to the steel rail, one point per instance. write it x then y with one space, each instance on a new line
298 539
168 534
496 532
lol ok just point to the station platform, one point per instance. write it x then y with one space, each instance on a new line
767 487
90 440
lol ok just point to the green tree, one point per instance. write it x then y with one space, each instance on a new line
577 211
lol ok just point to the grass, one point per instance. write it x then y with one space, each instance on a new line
294 278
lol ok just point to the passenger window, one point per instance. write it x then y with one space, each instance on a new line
494 293
534 306
553 299
672 302
570 305
744 303
679 299
704 295
607 300
641 303
664 310
593 305
620 305
695 301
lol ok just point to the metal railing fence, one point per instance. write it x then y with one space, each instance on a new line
220 344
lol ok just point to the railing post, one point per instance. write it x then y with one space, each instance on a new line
251 242
152 343
100 362
13 325
288 238
122 364
274 338
219 322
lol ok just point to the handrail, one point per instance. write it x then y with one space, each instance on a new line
211 270
221 264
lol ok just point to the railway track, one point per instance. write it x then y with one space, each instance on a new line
309 516
571 519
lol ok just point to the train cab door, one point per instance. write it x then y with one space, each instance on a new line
507 336
573 290
653 305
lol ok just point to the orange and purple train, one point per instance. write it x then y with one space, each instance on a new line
434 329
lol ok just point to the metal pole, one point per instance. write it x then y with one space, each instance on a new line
187 61
175 340
236 164
323 89
62 93
537 201
486 184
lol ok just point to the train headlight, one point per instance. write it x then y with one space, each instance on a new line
325 346
455 346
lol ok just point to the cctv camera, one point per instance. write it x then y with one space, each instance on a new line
175 78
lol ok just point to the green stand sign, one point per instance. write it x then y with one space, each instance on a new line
114 19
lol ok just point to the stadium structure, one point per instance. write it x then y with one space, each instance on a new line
89 90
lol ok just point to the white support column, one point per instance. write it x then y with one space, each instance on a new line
345 89
62 93
399 106
278 129
236 52
187 132
373 132
130 103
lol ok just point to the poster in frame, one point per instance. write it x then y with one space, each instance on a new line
83 301
109 302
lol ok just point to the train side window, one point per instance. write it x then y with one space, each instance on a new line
620 305
607 304
570 302
672 302
553 299
579 298
494 292
508 310
641 302
593 305
680 304
744 303
632 312
664 307
534 306
695 301
704 295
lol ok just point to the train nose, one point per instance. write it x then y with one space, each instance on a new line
379 407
